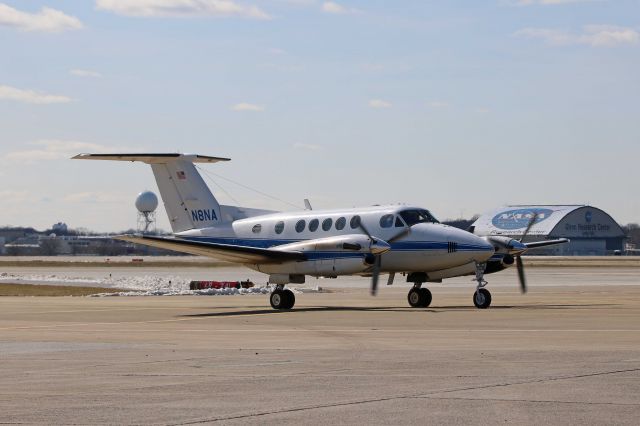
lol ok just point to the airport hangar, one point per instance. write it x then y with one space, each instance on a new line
592 231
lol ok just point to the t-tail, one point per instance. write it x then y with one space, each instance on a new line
187 199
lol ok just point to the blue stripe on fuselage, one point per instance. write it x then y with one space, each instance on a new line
401 246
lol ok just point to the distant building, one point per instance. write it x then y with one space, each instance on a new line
591 230
60 228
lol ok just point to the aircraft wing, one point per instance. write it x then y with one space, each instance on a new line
228 252
536 244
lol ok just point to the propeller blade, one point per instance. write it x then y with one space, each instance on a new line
529 225
364 229
523 282
375 275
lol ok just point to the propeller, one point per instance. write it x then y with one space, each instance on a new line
519 264
378 247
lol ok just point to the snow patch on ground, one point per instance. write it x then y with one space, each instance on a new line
142 285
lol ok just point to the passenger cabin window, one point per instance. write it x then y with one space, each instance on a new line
326 224
341 223
256 229
279 227
355 222
386 221
411 217
313 225
300 225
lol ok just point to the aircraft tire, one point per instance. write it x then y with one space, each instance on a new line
278 299
482 298
426 297
290 299
416 298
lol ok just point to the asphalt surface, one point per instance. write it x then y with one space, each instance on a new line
557 355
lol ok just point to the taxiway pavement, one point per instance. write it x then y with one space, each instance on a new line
562 354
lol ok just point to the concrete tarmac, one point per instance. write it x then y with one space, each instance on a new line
557 355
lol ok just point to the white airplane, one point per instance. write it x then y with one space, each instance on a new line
321 243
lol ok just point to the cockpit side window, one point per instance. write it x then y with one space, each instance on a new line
399 223
411 217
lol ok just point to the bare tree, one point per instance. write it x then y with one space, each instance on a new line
49 247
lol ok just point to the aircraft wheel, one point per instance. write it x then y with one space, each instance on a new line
278 299
482 298
282 299
426 295
290 299
419 297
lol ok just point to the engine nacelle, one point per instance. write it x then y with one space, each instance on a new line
499 264
330 257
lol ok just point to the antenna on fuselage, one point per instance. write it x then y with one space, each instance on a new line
307 204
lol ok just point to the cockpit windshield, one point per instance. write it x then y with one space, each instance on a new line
411 217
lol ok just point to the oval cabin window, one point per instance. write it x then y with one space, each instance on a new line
326 224
355 222
300 226
341 223
279 227
313 225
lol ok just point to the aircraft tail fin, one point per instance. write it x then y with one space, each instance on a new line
187 199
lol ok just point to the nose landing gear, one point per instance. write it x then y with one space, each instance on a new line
482 296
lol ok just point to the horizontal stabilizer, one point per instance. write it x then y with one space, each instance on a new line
228 252
536 244
151 158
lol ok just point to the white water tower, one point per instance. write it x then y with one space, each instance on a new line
146 203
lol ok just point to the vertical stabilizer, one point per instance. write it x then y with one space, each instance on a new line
187 199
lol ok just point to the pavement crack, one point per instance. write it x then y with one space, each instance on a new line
426 395
534 401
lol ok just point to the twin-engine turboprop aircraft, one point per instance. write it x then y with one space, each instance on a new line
319 243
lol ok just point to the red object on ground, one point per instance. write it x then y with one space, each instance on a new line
203 285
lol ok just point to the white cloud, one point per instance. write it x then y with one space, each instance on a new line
47 20
336 9
92 197
85 73
548 2
276 51
439 104
379 103
243 106
14 197
592 35
30 96
51 149
299 2
182 8
307 146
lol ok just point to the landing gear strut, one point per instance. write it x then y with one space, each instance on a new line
419 297
282 299
482 296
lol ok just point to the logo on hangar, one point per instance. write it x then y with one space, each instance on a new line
519 218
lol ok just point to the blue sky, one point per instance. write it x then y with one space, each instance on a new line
455 106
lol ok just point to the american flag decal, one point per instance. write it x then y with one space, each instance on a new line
181 175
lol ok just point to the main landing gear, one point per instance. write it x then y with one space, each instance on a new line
482 297
419 297
282 299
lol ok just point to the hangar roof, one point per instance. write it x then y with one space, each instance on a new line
513 219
